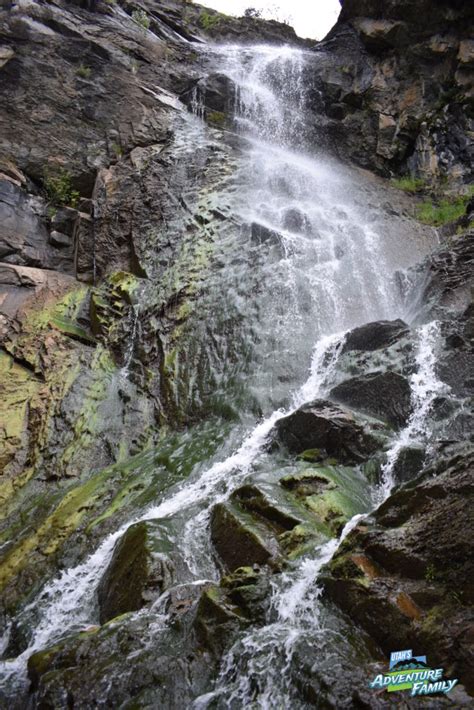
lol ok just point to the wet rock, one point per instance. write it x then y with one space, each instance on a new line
374 336
321 424
406 577
240 540
218 619
249 588
262 235
296 221
137 573
409 463
386 395
24 239
170 663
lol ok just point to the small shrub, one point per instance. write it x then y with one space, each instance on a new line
141 18
59 189
208 21
409 184
83 71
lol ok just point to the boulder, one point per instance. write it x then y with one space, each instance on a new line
324 425
409 463
239 539
375 336
137 573
385 395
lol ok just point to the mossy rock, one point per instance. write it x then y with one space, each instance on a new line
138 572
240 540
218 619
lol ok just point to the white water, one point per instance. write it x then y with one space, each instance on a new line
425 388
330 274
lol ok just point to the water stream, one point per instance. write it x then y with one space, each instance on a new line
319 264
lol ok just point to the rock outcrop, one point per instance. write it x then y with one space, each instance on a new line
397 81
406 576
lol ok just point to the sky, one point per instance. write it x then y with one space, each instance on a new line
310 18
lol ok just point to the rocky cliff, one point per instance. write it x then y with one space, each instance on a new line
114 361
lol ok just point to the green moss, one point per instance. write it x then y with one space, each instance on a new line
124 284
312 455
73 330
210 21
217 118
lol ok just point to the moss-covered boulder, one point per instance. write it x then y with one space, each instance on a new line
137 574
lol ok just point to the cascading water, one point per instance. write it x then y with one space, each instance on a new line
319 264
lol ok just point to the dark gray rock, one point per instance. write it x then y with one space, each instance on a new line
374 336
324 425
385 395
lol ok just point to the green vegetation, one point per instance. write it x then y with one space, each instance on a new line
141 18
83 71
59 189
409 183
217 118
208 21
117 149
443 211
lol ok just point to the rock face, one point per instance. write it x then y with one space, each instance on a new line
398 90
322 425
374 336
406 577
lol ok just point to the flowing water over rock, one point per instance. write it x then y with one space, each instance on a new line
302 256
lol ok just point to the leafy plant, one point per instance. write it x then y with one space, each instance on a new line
409 183
59 189
141 18
83 71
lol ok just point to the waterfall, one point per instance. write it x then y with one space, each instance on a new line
320 269
425 388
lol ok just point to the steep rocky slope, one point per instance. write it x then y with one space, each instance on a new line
113 369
